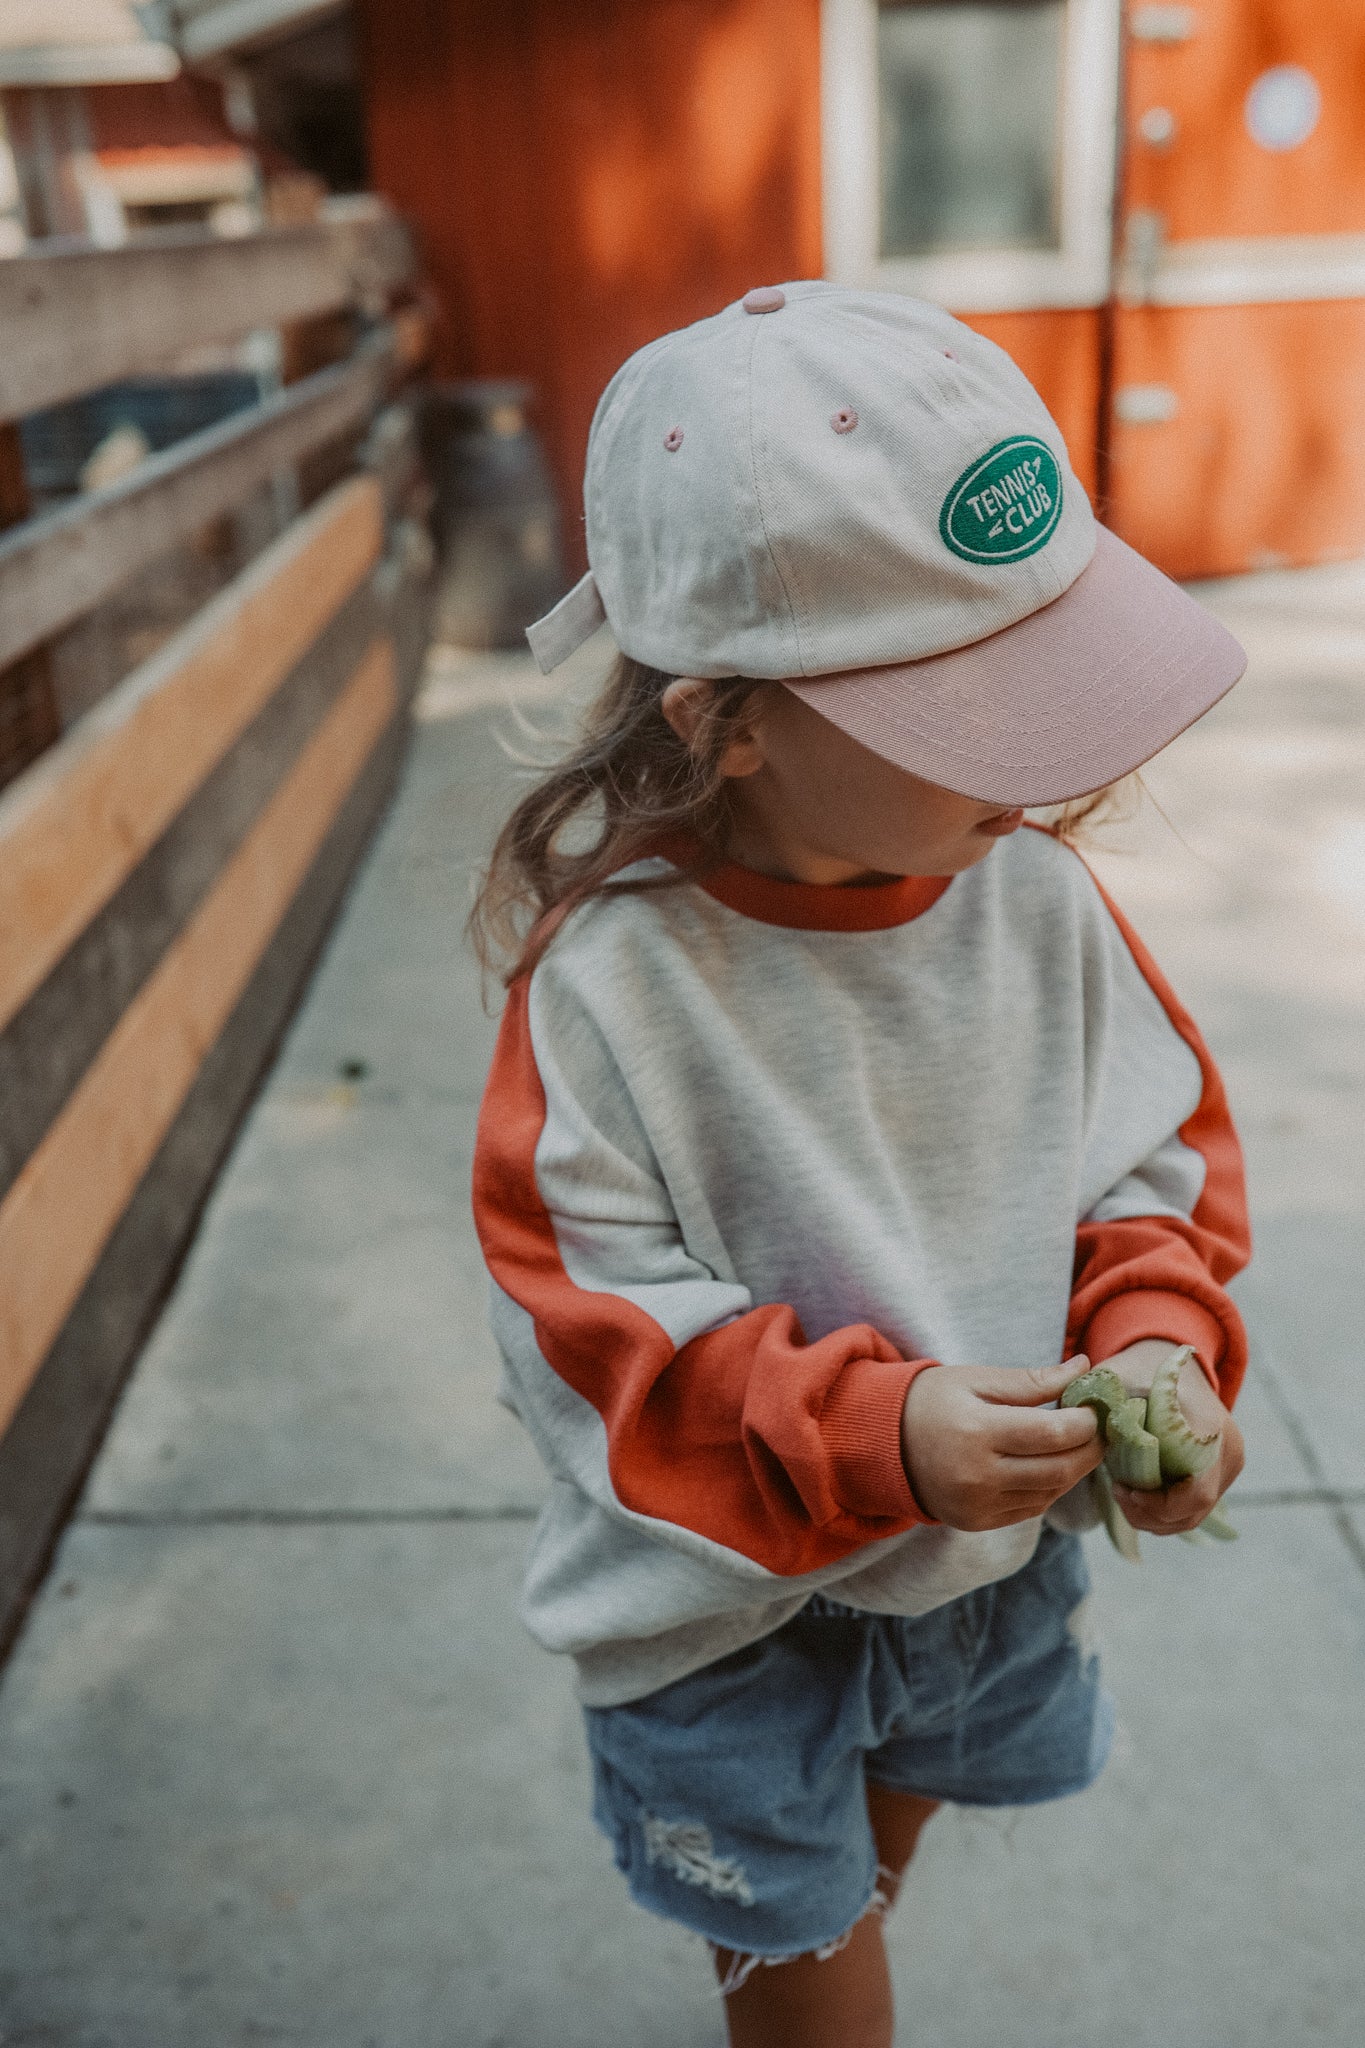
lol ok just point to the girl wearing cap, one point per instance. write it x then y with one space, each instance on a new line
835 1120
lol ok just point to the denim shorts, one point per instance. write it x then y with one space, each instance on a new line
734 1798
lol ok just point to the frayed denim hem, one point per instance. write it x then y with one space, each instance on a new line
741 1966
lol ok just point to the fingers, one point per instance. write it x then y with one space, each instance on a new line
1022 1488
1234 1453
1042 1432
1173 1511
1180 1507
1004 1509
1140 1517
1169 1512
1028 1386
1045 1479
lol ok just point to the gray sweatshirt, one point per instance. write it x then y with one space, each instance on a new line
752 1153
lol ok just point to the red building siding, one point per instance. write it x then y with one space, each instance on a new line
585 177
1261 459
1059 351
588 174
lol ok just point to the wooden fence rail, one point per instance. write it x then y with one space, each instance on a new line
171 865
55 568
73 318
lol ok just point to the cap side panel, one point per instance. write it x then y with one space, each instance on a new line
611 416
799 666
733 528
700 593
853 518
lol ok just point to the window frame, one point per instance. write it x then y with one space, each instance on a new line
1078 273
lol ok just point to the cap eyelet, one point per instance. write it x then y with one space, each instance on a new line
951 357
673 440
844 420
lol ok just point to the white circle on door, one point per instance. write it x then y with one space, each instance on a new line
1283 106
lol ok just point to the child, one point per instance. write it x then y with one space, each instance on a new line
834 1117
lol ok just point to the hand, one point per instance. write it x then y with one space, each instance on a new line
1184 1504
982 1449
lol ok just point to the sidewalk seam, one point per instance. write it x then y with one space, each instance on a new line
1335 1498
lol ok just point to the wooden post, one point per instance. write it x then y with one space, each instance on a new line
29 718
307 347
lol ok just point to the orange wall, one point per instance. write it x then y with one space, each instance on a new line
1264 458
1263 463
586 176
1214 180
1059 353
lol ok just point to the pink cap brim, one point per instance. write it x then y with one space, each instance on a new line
1069 699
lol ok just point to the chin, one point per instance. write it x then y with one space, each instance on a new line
971 856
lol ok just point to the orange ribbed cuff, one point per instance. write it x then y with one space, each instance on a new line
1152 1312
860 1425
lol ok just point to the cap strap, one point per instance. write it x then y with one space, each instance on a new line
562 631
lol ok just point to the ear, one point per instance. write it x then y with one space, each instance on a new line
688 702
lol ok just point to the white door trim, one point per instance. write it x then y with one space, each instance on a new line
977 280
1260 270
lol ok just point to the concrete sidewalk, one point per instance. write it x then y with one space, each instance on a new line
277 1763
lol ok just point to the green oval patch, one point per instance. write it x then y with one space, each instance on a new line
1006 505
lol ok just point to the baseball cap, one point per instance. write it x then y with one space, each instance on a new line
856 495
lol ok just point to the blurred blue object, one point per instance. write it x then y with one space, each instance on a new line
59 442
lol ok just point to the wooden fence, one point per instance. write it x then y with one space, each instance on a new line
169 866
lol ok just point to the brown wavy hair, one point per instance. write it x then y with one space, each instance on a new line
628 786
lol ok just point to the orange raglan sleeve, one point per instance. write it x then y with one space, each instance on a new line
663 1393
1164 1275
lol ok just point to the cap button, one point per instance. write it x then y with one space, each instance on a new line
764 298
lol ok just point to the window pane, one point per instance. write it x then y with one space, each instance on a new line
970 107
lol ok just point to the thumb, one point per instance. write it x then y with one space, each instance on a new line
1040 1383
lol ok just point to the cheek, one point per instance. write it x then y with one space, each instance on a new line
815 780
840 798
887 818
838 795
